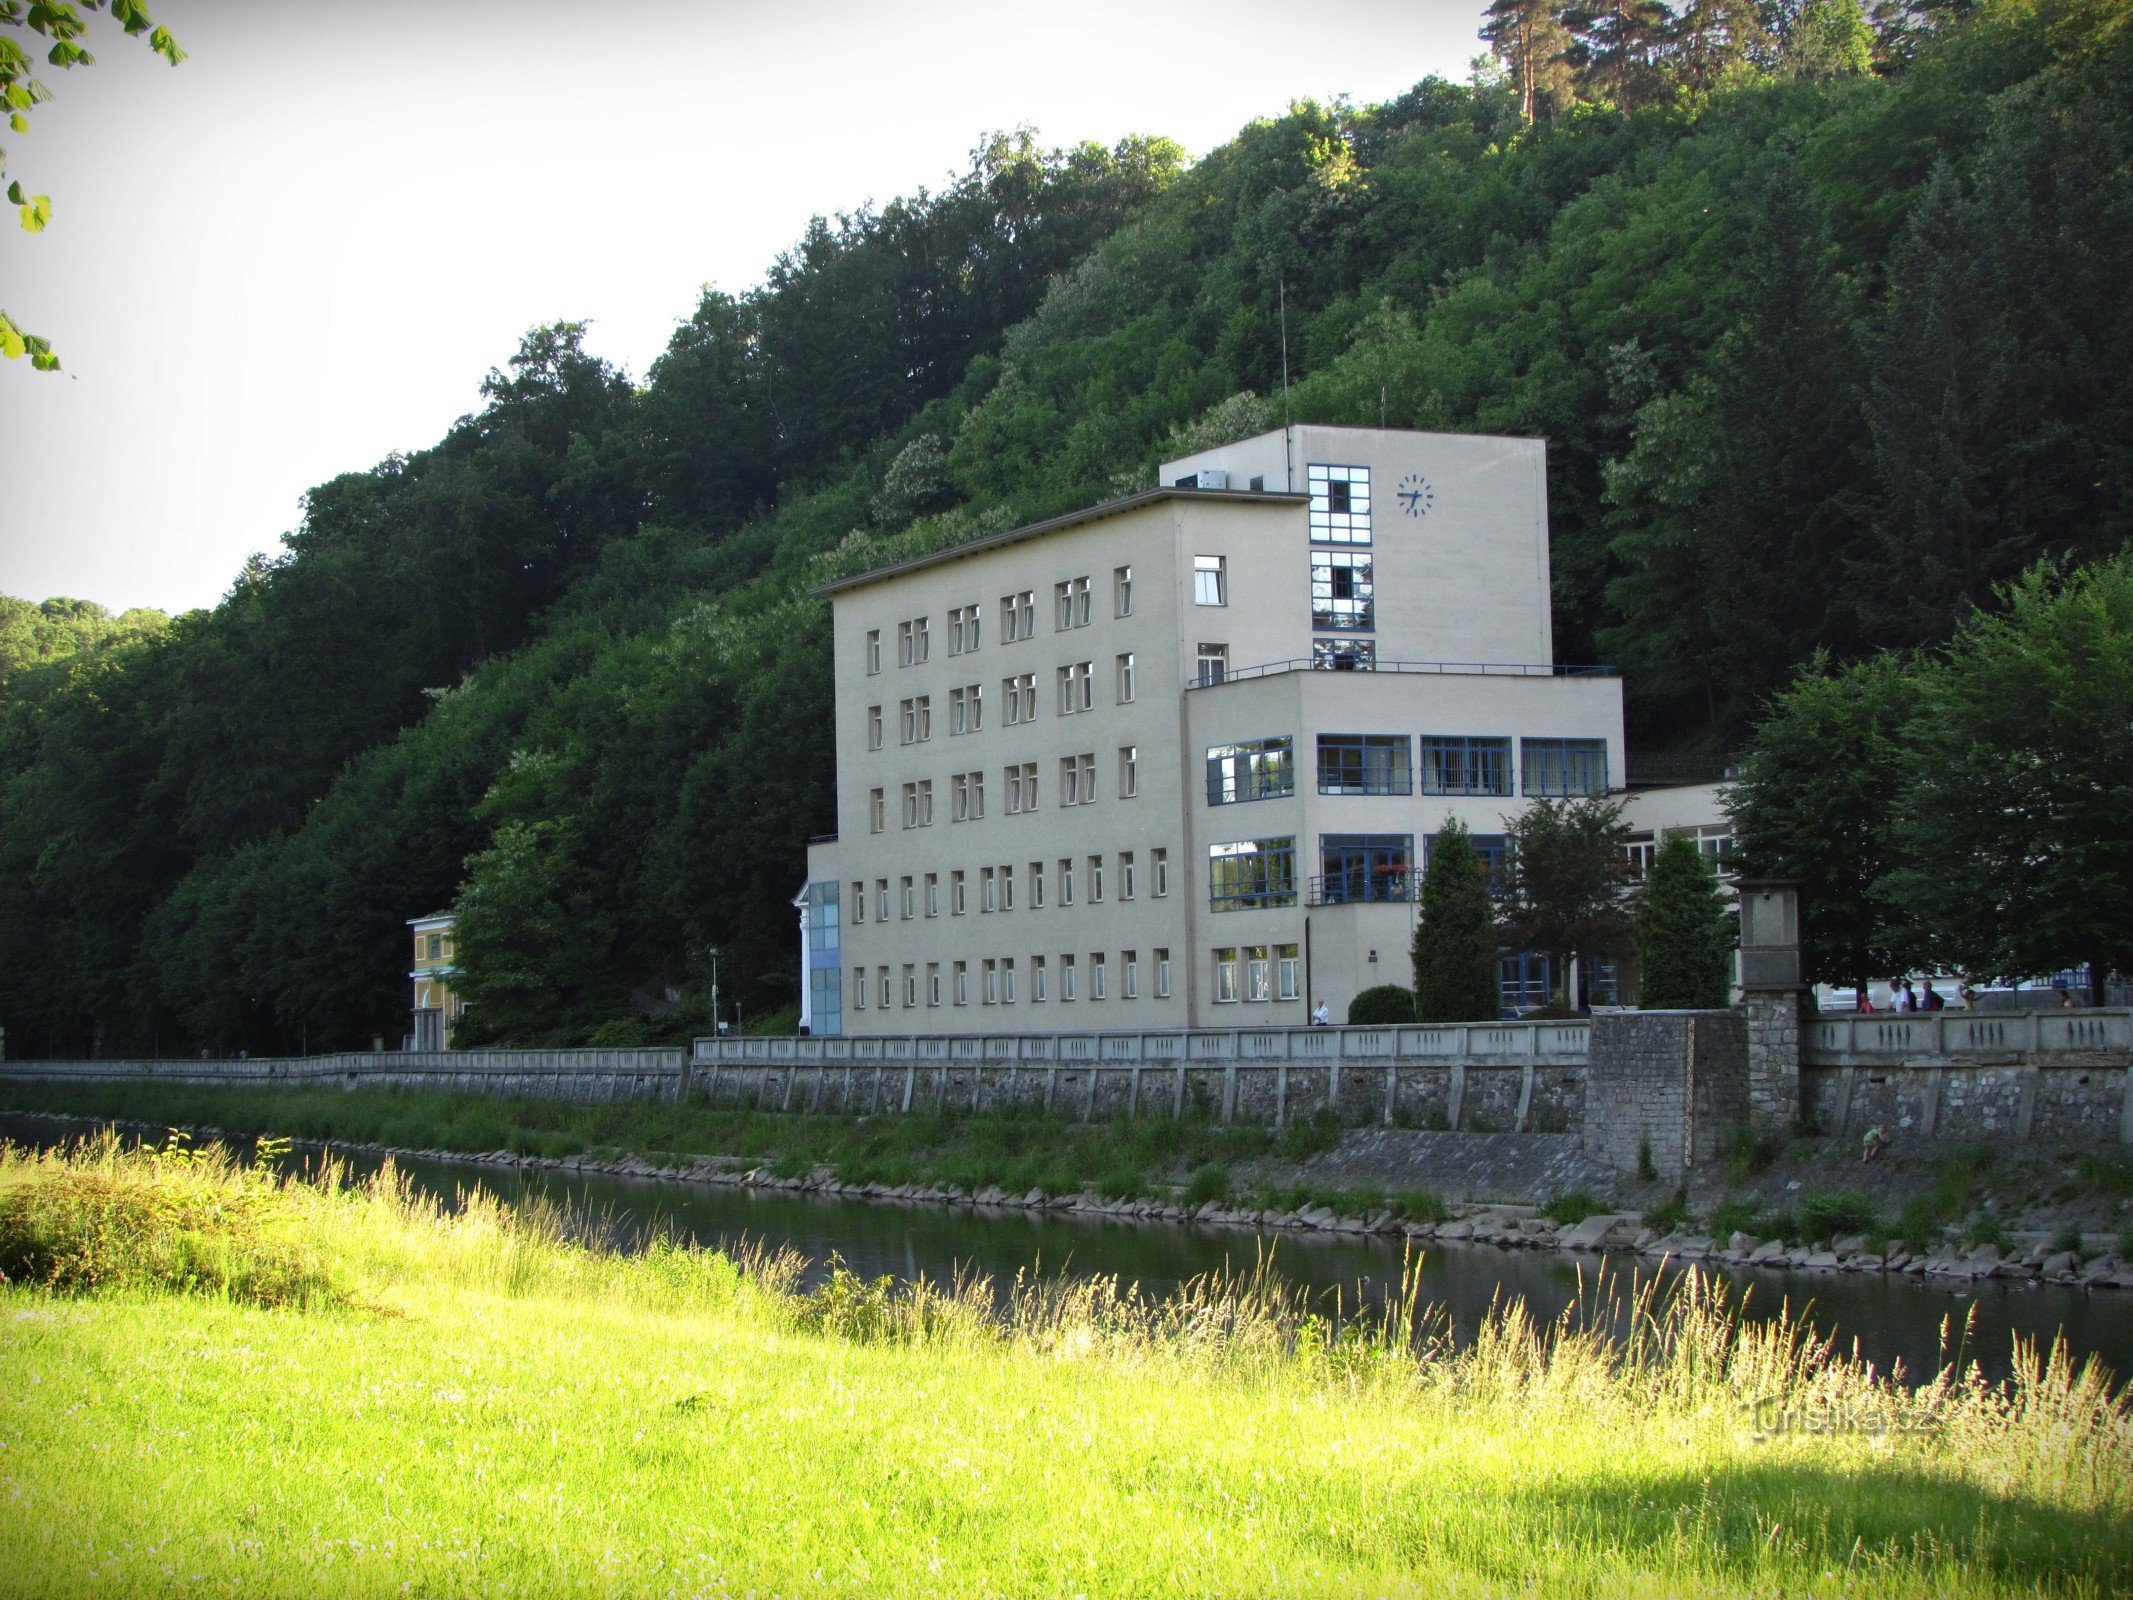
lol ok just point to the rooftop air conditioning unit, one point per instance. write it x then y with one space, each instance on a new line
1205 478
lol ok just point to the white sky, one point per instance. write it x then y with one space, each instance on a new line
302 249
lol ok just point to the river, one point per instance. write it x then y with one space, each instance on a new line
1890 1318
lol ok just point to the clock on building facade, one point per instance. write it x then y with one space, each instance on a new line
1415 495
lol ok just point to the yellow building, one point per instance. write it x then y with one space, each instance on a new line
437 1005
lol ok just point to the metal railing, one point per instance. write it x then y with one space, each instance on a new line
1483 669
1506 1042
1362 887
1885 1036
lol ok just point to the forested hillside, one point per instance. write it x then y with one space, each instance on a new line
1824 322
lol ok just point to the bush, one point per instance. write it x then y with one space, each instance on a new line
1832 1216
1573 1205
1670 1215
1748 1152
1210 1182
1122 1182
1387 1004
2067 1241
1684 931
1729 1217
1455 938
1421 1205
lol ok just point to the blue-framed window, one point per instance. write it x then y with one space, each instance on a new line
1340 503
1493 848
1364 763
1522 981
1257 769
824 912
1342 593
1456 764
1365 866
1559 767
1251 872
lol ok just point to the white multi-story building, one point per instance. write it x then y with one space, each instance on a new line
1176 760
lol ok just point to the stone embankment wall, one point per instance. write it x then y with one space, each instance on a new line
546 1074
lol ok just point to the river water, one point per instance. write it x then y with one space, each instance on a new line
1890 1319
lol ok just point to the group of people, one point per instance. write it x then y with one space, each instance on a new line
1902 997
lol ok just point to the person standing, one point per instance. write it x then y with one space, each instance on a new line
1321 1015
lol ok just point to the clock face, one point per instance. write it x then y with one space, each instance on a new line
1415 495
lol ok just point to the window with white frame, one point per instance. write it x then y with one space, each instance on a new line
1129 771
881 899
910 805
877 810
1125 874
1122 592
977 795
1007 888
1021 787
1247 873
906 649
873 727
859 901
1071 600
910 985
1017 616
1007 981
1096 880
962 983
1129 974
1225 963
988 891
1066 880
907 898
1125 678
958 902
1077 688
1069 979
1344 655
933 894
925 802
966 709
1036 979
992 981
873 666
1286 970
933 983
1036 886
859 988
1340 503
1158 873
1258 973
1099 976
882 979
1342 591
1019 696
963 627
1211 664
1210 580
1161 958
917 719
1257 769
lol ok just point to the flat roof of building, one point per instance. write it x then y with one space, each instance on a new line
1037 530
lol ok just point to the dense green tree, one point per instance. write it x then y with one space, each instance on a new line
1455 939
1814 803
1382 1005
2016 807
1684 931
1562 891
34 634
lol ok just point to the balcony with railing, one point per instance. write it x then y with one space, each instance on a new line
1395 885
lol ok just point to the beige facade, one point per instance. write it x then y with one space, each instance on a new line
1182 767
437 1004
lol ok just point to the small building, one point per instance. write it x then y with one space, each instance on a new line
437 1004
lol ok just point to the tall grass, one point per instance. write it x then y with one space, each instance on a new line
496 1399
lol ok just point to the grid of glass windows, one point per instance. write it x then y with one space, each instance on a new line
1340 503
1493 848
1364 763
1365 867
1344 655
1251 872
1453 764
1563 766
1341 591
1259 769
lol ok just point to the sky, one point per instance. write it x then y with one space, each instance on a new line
301 249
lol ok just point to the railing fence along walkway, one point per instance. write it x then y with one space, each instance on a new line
1873 1037
1565 1042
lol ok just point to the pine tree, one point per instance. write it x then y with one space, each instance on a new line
1455 945
1528 37
1684 931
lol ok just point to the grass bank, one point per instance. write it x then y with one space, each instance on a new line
214 1380
1017 1150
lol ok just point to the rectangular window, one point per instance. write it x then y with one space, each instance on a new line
1122 592
1344 655
1007 888
933 983
1340 503
859 901
1286 970
873 666
933 894
1493 848
1455 764
1159 873
877 811
1066 880
992 981
882 977
1226 975
1096 880
1251 872
873 727
881 902
1036 886
1560 767
1129 775
977 795
907 722
1364 763
1007 981
1210 580
1129 974
904 646
859 988
1162 973
1072 602
966 709
910 805
1125 679
988 891
1125 874
1258 975
1098 976
957 902
962 983
1036 979
910 985
1077 687
919 637
1358 867
1341 591
1069 781
1212 664
908 898
1014 791
963 626
1258 769
959 797
1017 616
1069 985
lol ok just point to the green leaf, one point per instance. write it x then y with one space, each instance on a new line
12 344
14 194
36 212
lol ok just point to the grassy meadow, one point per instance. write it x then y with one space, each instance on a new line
216 1381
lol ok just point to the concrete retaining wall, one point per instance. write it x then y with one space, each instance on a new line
549 1074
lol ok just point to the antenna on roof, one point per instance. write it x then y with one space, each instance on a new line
1288 465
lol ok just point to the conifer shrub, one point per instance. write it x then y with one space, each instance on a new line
1455 941
1684 931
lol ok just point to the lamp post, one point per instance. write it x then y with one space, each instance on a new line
712 952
